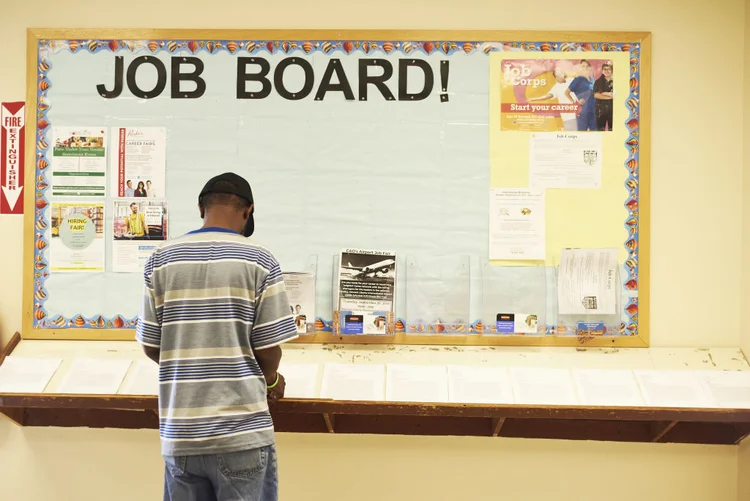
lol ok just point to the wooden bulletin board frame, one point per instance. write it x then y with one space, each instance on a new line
596 42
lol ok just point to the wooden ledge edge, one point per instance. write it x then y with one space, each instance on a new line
10 347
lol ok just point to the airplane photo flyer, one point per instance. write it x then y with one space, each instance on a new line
367 286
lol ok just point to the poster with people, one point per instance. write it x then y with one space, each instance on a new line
139 161
139 228
555 95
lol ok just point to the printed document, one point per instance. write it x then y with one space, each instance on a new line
94 376
587 282
27 375
416 383
565 160
479 385
517 224
353 382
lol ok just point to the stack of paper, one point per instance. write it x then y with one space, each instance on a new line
353 382
673 389
142 380
301 380
542 386
416 383
479 385
730 390
607 388
27 375
94 376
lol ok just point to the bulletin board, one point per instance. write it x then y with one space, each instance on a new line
369 139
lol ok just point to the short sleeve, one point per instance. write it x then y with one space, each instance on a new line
274 323
148 329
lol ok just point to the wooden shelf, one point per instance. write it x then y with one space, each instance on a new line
623 424
630 424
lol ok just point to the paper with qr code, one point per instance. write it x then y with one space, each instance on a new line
587 282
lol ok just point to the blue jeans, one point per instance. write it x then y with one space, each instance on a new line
250 475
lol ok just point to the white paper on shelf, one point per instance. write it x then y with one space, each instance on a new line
301 379
93 376
673 389
416 383
730 390
609 388
27 375
142 380
479 385
542 386
353 382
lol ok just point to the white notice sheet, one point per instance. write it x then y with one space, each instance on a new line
300 289
730 390
673 389
416 383
353 382
94 376
301 379
565 160
542 386
587 282
142 380
608 388
27 375
517 228
479 385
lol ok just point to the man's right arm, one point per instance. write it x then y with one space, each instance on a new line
274 324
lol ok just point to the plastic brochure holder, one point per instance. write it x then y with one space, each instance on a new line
383 321
514 300
590 326
437 295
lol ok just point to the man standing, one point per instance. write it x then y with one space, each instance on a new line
583 88
604 93
215 313
129 191
137 222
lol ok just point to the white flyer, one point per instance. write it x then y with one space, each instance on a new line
139 162
367 291
587 282
79 161
139 228
77 237
300 288
565 160
517 224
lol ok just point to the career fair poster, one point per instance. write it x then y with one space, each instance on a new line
306 121
138 161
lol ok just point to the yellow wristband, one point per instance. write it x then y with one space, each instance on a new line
275 382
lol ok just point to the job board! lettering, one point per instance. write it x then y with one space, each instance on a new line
257 78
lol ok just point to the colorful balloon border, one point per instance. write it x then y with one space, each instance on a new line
41 317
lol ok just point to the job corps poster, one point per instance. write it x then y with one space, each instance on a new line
554 95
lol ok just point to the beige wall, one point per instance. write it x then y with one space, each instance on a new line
697 138
697 213
82 465
743 472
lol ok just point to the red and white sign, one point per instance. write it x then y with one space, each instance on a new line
11 158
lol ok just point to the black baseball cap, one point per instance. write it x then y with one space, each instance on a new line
234 184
